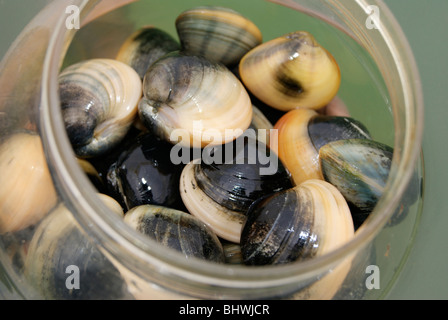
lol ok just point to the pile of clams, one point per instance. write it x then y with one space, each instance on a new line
222 146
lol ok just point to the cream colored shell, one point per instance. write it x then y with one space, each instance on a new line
226 223
27 192
292 71
207 105
294 147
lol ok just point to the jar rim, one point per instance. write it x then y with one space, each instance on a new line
123 243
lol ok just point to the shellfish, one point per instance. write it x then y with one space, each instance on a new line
59 253
219 34
177 230
144 47
220 193
144 174
359 168
308 220
261 124
192 101
27 192
302 132
99 100
292 71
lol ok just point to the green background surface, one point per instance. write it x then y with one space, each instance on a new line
425 274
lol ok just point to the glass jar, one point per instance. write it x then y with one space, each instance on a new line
380 86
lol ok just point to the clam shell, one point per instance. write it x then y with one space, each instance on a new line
219 34
302 132
177 230
261 124
308 220
221 193
99 103
359 168
59 245
292 71
112 204
27 192
192 101
232 252
144 174
144 47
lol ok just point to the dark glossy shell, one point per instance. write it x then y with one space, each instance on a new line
220 192
302 132
144 47
237 185
177 230
359 168
58 245
219 34
145 174
296 224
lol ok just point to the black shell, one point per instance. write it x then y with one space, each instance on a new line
144 47
269 226
177 230
145 174
237 183
308 220
59 245
359 168
323 129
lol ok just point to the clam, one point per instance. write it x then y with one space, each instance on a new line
292 71
27 192
300 223
302 132
177 230
99 100
192 101
64 263
219 34
261 124
146 45
359 168
144 174
220 192
232 252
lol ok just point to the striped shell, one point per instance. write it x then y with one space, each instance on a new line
99 100
359 168
177 230
59 245
190 100
292 71
221 193
144 47
308 220
219 34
